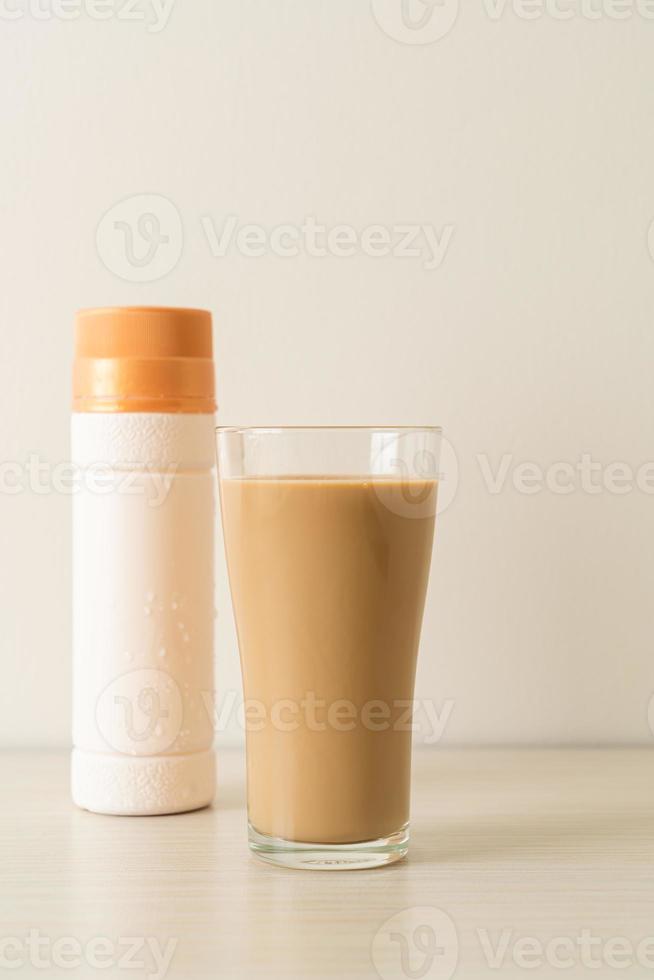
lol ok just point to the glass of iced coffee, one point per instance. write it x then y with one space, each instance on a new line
328 536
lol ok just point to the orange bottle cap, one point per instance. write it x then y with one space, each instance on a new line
143 359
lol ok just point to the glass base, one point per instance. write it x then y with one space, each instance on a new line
329 857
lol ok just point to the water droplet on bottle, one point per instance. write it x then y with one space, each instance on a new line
147 610
162 652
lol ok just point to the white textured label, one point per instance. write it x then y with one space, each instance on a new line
143 440
143 598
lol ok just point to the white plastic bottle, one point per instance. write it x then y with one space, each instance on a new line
143 561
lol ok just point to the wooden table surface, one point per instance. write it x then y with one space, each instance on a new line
523 863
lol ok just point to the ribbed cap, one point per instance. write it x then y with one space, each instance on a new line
143 359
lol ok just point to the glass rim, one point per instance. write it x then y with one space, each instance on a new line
272 429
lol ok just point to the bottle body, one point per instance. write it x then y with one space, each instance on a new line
143 611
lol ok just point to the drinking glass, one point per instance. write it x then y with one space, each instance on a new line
328 537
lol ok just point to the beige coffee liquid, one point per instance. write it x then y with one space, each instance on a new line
328 580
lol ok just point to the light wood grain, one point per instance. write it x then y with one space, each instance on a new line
546 843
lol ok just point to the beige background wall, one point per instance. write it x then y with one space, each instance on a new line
523 143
